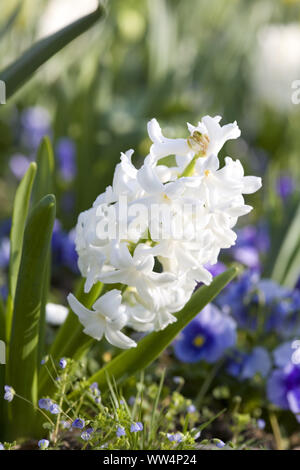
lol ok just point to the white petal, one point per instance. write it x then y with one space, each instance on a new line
251 184
118 339
109 303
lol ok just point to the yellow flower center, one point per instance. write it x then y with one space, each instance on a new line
199 143
198 341
207 172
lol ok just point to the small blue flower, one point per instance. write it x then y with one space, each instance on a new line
177 437
120 431
219 443
9 393
54 409
65 424
261 424
136 427
45 403
63 363
131 400
206 337
191 409
78 423
1 446
87 434
94 389
43 444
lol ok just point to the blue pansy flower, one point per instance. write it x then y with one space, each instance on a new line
283 388
244 365
206 337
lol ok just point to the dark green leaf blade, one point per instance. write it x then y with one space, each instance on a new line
19 72
20 211
22 368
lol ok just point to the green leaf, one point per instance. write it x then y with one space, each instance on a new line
287 252
2 366
18 73
45 171
20 210
22 365
150 347
43 185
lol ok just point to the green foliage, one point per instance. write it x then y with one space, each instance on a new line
22 368
20 211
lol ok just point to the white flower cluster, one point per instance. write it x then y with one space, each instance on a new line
158 273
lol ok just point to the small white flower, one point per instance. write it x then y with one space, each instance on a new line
107 318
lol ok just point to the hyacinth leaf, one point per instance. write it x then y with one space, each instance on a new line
287 254
22 369
5 28
20 211
19 72
43 185
150 347
2 366
45 171
70 337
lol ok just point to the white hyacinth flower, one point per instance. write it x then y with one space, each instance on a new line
156 228
107 318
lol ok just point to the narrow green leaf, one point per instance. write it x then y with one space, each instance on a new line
2 366
20 210
23 352
18 73
43 185
149 348
287 251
